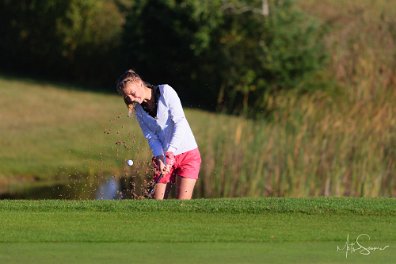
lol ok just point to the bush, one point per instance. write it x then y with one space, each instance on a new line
267 54
224 53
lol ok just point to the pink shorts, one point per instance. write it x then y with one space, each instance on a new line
187 165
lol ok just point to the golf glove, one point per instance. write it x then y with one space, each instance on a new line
156 165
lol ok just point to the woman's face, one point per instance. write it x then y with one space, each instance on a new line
133 92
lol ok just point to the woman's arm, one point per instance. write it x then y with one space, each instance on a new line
177 115
152 138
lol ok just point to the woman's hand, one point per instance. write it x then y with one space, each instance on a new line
164 164
158 164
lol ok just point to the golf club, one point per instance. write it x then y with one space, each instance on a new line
151 190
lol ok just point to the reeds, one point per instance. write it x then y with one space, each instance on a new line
339 142
312 148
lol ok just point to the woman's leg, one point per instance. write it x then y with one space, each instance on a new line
159 191
185 188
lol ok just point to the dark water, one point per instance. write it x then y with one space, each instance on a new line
109 188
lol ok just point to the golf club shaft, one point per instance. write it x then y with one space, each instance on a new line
155 183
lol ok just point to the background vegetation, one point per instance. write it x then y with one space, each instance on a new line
85 137
329 124
215 53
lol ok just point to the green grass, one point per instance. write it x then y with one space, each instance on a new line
273 230
57 131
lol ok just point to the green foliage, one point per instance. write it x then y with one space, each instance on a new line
29 34
225 52
164 41
69 40
267 54
215 53
91 36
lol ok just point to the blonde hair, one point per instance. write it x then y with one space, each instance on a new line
128 76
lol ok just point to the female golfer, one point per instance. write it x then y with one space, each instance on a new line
161 117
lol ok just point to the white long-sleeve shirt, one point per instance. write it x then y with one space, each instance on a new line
170 130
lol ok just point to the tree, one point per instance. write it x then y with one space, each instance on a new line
265 54
64 40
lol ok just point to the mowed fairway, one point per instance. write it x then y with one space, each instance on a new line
268 230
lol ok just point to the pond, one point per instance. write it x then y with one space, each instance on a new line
83 188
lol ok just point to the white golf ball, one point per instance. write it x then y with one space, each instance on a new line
130 162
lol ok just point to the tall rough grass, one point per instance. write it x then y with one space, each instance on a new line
313 148
341 143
